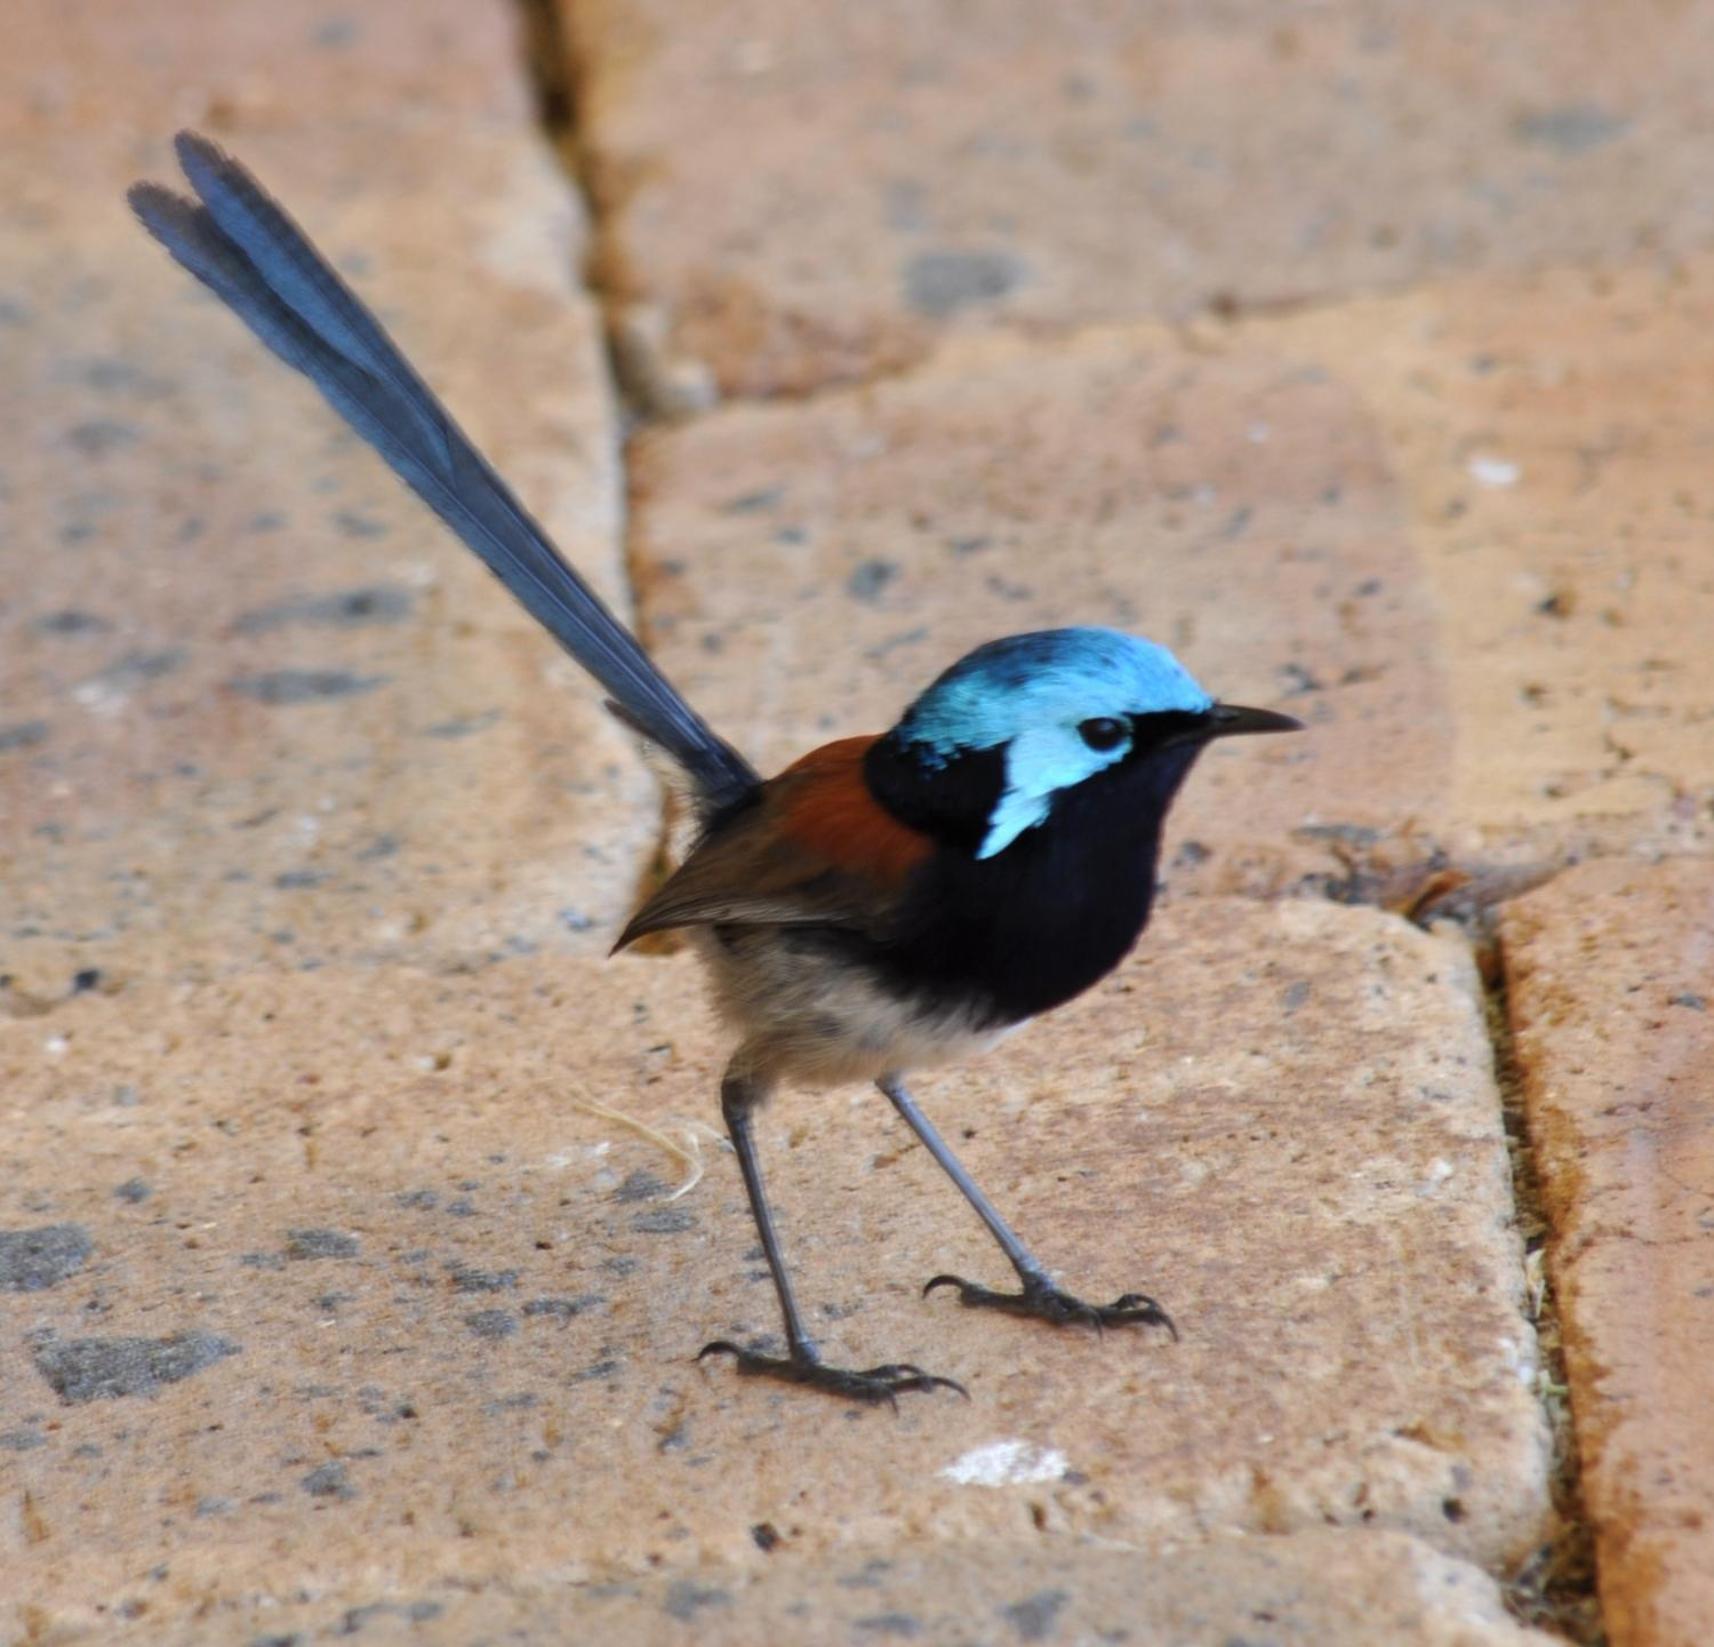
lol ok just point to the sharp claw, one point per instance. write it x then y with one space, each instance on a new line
1046 1302
875 1385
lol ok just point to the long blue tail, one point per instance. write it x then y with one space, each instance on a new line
244 248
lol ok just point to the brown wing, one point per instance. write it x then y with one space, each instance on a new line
815 849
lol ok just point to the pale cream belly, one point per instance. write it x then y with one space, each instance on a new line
812 1021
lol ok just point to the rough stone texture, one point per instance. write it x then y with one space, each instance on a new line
798 193
1315 1589
1612 996
805 570
255 706
457 1311
1549 437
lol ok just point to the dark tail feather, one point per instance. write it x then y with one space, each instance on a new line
240 245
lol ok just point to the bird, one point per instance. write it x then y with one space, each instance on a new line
888 903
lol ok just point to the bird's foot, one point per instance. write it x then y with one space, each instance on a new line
873 1385
1040 1298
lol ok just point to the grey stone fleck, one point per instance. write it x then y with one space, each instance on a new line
868 578
21 1441
335 33
1571 128
419 1200
23 735
329 1480
753 503
469 1280
70 622
492 1323
685 1598
464 726
299 880
135 669
604 1368
354 524
563 1309
940 284
1296 681
33 1260
640 1186
1295 994
263 1260
415 1612
868 1576
889 1624
1033 1617
306 1244
105 1369
282 688
348 609
1696 1003
664 1221
100 436
134 1190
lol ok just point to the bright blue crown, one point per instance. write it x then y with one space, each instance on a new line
991 695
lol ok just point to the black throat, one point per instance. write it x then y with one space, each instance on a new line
1039 922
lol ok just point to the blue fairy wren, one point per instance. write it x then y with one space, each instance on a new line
885 904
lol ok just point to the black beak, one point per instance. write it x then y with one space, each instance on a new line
1227 720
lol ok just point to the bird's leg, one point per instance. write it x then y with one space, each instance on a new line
739 1096
1039 1297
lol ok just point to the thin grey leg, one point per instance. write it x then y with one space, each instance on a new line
1039 1296
739 1096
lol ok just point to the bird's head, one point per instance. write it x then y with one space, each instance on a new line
1024 726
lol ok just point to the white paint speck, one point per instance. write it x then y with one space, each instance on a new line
1493 471
1005 1464
1258 434
56 1046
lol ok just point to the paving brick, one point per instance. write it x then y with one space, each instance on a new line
258 708
1549 437
1303 1590
795 194
805 570
1612 999
363 1298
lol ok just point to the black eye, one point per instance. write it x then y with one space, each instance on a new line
1103 732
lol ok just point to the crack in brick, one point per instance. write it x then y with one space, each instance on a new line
1555 1587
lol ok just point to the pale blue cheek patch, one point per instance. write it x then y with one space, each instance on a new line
1040 762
